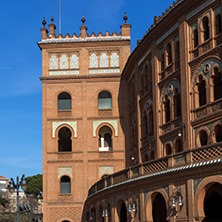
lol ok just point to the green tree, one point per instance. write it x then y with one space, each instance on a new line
35 185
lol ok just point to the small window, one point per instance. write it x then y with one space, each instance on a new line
162 62
65 142
217 84
64 101
202 91
151 123
178 146
105 139
177 51
195 38
203 137
169 54
105 100
177 104
167 109
218 24
65 185
168 149
144 125
206 28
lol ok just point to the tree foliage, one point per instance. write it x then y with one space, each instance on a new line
35 185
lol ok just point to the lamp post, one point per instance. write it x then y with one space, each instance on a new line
12 186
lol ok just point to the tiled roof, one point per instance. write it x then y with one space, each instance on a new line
87 39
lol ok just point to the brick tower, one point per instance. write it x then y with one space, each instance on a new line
83 140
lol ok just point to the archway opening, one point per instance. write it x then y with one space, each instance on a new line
178 146
65 142
213 203
206 28
202 91
159 209
123 213
168 149
217 84
105 139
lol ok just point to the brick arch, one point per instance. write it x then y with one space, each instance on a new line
117 205
65 219
148 205
212 137
201 193
164 147
110 123
71 125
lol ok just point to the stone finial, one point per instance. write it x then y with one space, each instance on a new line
52 19
44 22
125 18
83 20
155 20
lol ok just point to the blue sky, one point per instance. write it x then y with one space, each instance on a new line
20 65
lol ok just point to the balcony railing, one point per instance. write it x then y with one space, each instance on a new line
197 155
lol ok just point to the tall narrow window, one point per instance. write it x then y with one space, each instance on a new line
202 91
144 124
195 38
203 137
206 28
177 51
162 62
64 101
218 24
151 120
169 54
167 109
217 84
150 74
218 131
105 100
65 142
177 104
65 185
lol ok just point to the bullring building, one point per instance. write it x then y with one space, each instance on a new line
135 136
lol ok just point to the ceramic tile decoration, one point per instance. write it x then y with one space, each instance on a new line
64 62
53 62
104 60
74 63
114 60
93 61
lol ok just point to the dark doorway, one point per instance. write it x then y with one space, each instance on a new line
123 213
213 204
159 209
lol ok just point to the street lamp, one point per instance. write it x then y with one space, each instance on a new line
12 187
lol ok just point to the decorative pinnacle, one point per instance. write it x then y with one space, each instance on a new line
125 18
52 19
83 20
44 22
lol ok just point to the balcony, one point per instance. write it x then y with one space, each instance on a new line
169 164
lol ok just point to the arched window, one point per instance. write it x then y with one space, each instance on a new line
195 38
217 84
65 142
105 139
65 185
64 101
202 91
203 137
177 103
162 62
168 149
169 54
218 24
218 131
105 100
206 28
123 213
167 109
178 146
145 159
177 51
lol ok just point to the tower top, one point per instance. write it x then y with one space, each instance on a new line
84 36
